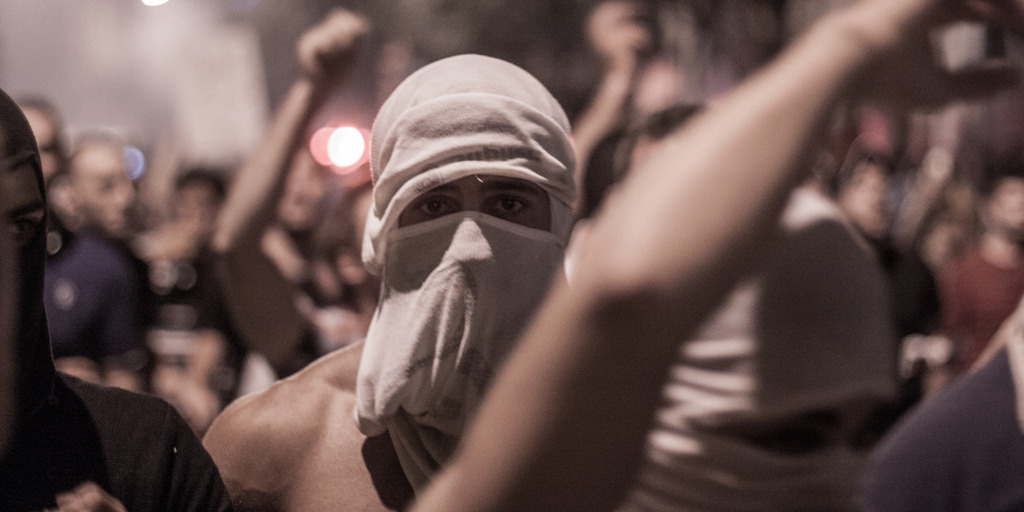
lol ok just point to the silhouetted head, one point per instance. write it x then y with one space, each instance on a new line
23 206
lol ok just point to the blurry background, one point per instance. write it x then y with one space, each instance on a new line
211 70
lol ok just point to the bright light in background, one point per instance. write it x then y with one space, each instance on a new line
346 146
154 3
134 162
343 147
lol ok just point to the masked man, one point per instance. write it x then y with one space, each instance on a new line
472 169
72 441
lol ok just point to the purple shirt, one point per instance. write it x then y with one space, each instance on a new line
91 300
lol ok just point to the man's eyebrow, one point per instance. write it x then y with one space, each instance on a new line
510 185
31 207
447 187
17 160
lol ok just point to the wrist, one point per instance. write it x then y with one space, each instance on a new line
857 40
878 26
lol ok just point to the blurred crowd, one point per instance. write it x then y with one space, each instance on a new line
892 275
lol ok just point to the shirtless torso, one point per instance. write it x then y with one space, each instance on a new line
296 447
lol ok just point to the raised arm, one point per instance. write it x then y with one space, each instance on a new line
618 34
564 425
260 298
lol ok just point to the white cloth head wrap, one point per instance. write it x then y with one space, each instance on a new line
461 116
456 291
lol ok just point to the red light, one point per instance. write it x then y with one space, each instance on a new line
318 145
341 148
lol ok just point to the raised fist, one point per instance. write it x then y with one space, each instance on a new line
620 32
328 49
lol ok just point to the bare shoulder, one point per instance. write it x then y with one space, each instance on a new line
271 444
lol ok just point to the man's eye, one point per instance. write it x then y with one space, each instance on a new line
508 205
432 206
22 227
511 204
437 207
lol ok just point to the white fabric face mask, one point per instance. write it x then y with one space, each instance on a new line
456 294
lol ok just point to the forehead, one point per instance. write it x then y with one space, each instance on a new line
99 160
488 184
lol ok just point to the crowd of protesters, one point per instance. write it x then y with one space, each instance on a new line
796 290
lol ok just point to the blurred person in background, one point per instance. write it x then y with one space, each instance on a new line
277 280
862 190
338 242
611 162
48 128
738 387
982 288
76 445
197 353
94 289
961 449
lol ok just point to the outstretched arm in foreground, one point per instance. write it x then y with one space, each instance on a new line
564 424
260 297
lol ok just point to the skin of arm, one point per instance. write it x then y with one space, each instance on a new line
157 189
564 425
620 39
255 290
931 181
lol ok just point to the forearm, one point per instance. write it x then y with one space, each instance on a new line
606 111
929 184
250 205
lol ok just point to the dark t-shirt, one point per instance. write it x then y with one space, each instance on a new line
189 298
962 450
136 447
91 300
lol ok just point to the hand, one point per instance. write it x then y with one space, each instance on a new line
619 32
328 50
905 72
88 497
